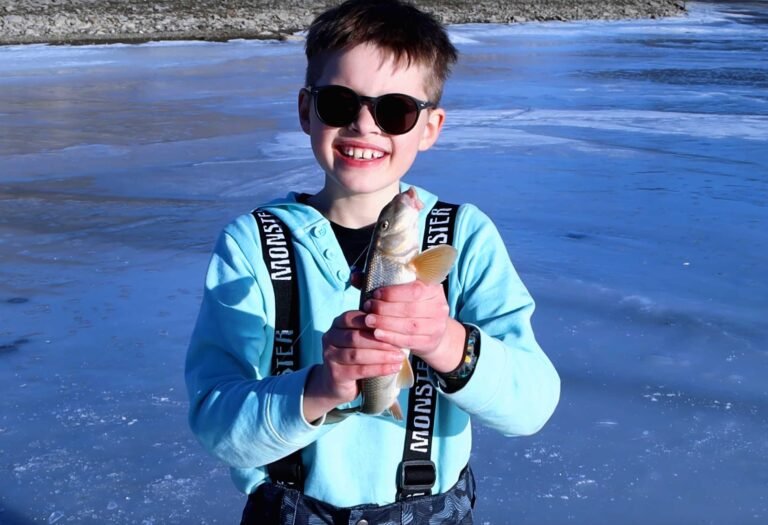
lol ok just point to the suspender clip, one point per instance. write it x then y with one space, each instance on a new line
288 472
416 475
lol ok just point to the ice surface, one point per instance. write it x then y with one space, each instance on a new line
624 163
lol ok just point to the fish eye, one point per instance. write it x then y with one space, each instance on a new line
385 225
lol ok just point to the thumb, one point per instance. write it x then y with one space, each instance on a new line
357 278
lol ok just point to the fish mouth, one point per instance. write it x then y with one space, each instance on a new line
411 198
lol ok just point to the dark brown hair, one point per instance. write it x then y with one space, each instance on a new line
411 36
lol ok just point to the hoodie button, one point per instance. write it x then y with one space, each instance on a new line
362 522
319 231
342 275
328 254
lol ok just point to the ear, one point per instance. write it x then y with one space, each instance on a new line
305 106
435 120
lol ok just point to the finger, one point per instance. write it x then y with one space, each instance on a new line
353 319
414 342
357 372
431 327
435 308
347 365
365 356
352 338
408 292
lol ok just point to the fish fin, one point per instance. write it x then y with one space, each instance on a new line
337 415
405 376
433 265
396 411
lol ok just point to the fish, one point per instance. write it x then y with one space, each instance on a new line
394 257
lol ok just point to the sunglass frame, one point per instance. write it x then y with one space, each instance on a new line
372 102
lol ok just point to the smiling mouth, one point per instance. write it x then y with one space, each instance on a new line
360 153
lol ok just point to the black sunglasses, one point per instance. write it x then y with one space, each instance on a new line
394 113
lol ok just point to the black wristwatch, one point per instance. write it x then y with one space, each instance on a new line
454 380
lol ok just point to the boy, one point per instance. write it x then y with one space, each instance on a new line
374 79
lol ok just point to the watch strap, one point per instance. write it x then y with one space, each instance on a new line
455 379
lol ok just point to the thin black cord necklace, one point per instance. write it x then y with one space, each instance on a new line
363 255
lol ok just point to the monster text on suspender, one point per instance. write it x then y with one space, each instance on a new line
275 240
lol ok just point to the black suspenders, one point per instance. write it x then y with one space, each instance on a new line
277 249
416 473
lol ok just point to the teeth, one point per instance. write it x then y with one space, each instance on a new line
360 153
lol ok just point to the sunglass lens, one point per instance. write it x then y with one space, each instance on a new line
396 114
337 106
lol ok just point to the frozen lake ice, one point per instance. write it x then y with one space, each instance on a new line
626 164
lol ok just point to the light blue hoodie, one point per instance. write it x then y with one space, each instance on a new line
249 419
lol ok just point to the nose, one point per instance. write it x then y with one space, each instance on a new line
365 123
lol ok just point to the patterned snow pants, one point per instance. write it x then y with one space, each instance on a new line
276 505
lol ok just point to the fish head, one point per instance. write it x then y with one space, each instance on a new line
397 230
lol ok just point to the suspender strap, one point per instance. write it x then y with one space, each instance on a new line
277 249
417 473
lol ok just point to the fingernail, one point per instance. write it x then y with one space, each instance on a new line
377 294
370 320
366 306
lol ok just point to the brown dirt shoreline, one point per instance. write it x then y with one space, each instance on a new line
110 21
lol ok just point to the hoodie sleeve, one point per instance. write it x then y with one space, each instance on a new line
514 387
239 413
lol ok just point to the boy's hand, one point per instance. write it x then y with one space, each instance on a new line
415 316
350 353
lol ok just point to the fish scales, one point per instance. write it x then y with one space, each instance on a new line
381 271
386 267
384 271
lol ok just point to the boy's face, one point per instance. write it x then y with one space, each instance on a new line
385 157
